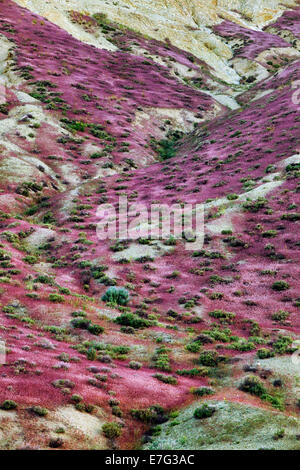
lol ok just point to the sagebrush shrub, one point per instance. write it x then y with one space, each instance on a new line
116 295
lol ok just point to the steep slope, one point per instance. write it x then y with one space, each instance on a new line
81 126
186 24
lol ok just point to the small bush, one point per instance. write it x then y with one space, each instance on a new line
202 391
8 405
253 385
280 285
56 298
193 347
135 365
195 372
232 197
167 379
116 296
95 329
209 358
204 411
256 205
153 415
39 411
282 344
133 320
265 353
280 316
111 430
30 259
84 324
279 435
222 315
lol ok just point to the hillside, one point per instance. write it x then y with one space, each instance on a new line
177 103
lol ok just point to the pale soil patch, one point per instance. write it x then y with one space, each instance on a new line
25 98
136 250
176 69
225 100
180 118
186 24
16 170
11 433
8 203
45 268
287 161
278 52
224 222
56 12
260 191
283 365
70 173
249 68
39 237
88 424
261 94
233 426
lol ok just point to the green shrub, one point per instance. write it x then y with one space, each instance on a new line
135 365
155 414
204 411
38 410
8 405
279 435
161 359
222 315
264 353
292 217
209 358
232 197
81 323
95 329
282 344
111 430
116 296
253 385
255 206
195 372
193 347
76 398
44 279
116 411
56 298
133 320
280 285
167 379
202 391
280 316
84 324
30 259
243 345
